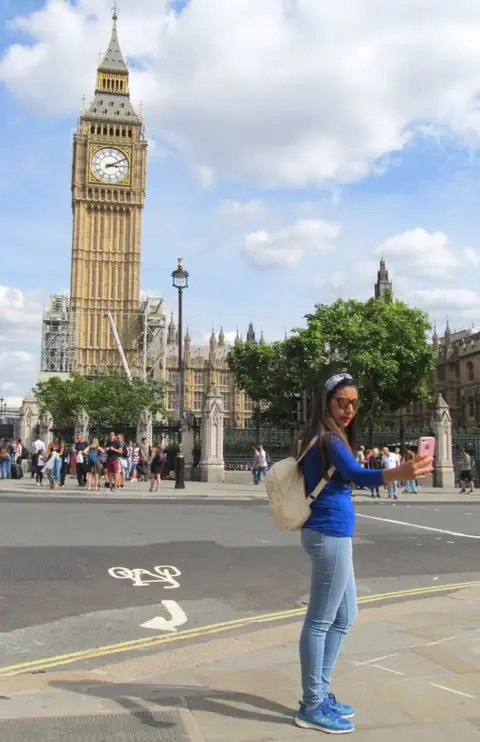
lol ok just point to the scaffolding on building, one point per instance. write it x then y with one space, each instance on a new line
58 337
153 341
142 335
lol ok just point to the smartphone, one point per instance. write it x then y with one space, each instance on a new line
426 445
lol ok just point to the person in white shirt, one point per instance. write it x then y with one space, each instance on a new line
262 461
390 461
38 447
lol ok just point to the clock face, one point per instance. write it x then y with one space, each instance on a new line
110 165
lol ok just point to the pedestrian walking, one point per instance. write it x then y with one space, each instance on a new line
327 538
157 462
256 465
93 463
375 464
466 471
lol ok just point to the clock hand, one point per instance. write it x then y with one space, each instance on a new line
117 163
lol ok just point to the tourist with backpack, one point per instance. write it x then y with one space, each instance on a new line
312 492
93 463
157 462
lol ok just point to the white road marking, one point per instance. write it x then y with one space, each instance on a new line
388 669
451 690
177 618
416 525
375 659
442 641
145 577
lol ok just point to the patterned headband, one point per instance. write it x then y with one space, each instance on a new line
334 381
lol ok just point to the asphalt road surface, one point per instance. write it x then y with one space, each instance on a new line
76 575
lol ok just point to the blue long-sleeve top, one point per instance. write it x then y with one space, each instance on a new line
333 512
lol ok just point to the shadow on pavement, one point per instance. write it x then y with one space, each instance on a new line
193 697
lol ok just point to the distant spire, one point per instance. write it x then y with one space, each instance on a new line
221 337
262 339
172 335
383 285
251 334
188 339
238 339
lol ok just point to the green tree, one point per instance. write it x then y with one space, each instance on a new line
109 399
383 344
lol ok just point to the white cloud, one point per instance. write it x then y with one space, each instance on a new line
239 210
471 256
20 331
420 254
289 245
448 300
275 92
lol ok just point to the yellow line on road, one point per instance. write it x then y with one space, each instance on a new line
202 631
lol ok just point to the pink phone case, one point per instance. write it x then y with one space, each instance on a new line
427 445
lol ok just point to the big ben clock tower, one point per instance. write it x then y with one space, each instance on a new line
108 194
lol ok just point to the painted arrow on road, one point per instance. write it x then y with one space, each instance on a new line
177 618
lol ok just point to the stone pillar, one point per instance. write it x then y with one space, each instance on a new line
81 424
46 422
212 465
29 417
145 426
442 423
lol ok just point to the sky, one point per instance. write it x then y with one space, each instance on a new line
291 143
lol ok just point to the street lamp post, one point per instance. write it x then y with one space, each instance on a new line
3 409
180 282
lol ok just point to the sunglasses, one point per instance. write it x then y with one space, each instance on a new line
344 402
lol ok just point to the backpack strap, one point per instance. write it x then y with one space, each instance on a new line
313 496
308 448
321 485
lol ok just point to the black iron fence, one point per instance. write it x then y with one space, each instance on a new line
403 439
468 441
238 445
168 436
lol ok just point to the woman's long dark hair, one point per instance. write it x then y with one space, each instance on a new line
321 420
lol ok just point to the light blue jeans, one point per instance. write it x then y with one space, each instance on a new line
55 473
6 468
392 489
332 609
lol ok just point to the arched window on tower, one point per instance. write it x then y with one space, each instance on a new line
104 83
470 371
99 129
92 129
124 132
130 132
121 86
111 131
108 84
105 131
117 132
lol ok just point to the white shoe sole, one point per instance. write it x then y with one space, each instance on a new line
307 725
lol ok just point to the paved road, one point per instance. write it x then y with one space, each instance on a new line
61 589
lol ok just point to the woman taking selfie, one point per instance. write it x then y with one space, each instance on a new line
327 539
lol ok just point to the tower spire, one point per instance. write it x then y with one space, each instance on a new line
113 61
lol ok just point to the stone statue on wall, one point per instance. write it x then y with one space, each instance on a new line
81 424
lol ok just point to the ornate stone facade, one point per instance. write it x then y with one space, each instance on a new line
202 365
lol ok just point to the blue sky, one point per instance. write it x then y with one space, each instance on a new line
287 151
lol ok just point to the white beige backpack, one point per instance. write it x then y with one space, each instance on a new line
285 484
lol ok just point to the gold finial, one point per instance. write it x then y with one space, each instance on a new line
115 11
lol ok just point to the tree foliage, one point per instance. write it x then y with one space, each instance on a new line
109 399
382 343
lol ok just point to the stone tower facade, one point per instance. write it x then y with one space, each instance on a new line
108 195
383 285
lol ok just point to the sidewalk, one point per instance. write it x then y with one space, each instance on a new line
229 491
412 670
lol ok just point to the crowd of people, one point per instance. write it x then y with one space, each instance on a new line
377 460
112 463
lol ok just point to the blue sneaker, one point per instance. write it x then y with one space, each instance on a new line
324 718
343 709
